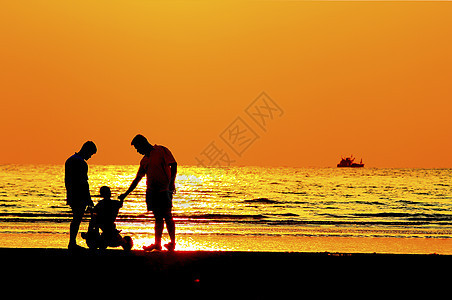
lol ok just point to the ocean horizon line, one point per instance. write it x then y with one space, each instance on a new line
238 166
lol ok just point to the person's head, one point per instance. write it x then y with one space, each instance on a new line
87 150
105 192
141 144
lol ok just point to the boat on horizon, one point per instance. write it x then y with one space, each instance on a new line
349 162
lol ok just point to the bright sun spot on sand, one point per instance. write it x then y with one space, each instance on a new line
182 244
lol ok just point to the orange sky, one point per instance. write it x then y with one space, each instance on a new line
366 78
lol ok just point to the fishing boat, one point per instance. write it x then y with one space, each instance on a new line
349 162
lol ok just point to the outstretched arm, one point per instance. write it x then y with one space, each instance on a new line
133 185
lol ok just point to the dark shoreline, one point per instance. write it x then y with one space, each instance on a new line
219 274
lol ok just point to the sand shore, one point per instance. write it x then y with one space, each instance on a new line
262 243
222 274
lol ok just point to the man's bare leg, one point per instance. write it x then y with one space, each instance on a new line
77 216
171 227
159 224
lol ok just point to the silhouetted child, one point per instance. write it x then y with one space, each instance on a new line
103 217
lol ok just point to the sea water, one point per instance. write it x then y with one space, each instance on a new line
244 202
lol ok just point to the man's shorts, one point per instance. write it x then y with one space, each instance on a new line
160 203
78 208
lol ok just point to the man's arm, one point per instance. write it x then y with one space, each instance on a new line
133 185
173 167
93 222
90 201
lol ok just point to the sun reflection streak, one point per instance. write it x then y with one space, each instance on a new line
183 243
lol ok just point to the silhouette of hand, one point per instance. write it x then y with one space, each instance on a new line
122 197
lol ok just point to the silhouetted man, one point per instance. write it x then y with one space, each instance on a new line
77 188
160 168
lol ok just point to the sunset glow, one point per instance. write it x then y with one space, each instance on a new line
365 78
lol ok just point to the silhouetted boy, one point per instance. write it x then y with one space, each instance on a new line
103 217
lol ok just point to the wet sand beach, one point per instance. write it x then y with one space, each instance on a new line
257 243
223 274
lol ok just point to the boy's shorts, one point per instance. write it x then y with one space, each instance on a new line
160 203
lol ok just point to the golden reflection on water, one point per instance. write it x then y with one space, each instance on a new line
246 208
283 195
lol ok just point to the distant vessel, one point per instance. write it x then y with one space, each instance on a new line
348 162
